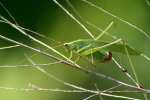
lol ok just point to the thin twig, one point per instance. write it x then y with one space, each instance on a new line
8 47
131 65
25 65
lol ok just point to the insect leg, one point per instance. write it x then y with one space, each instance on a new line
71 55
92 59
106 29
77 59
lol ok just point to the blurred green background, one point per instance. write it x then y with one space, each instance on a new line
45 17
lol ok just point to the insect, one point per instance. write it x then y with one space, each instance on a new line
97 50
100 51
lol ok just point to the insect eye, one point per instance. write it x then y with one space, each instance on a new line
66 45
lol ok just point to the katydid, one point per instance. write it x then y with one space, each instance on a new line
97 49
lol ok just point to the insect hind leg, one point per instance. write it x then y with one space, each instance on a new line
105 30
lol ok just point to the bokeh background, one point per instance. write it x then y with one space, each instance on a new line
45 17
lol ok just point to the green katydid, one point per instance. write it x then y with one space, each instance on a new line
96 49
